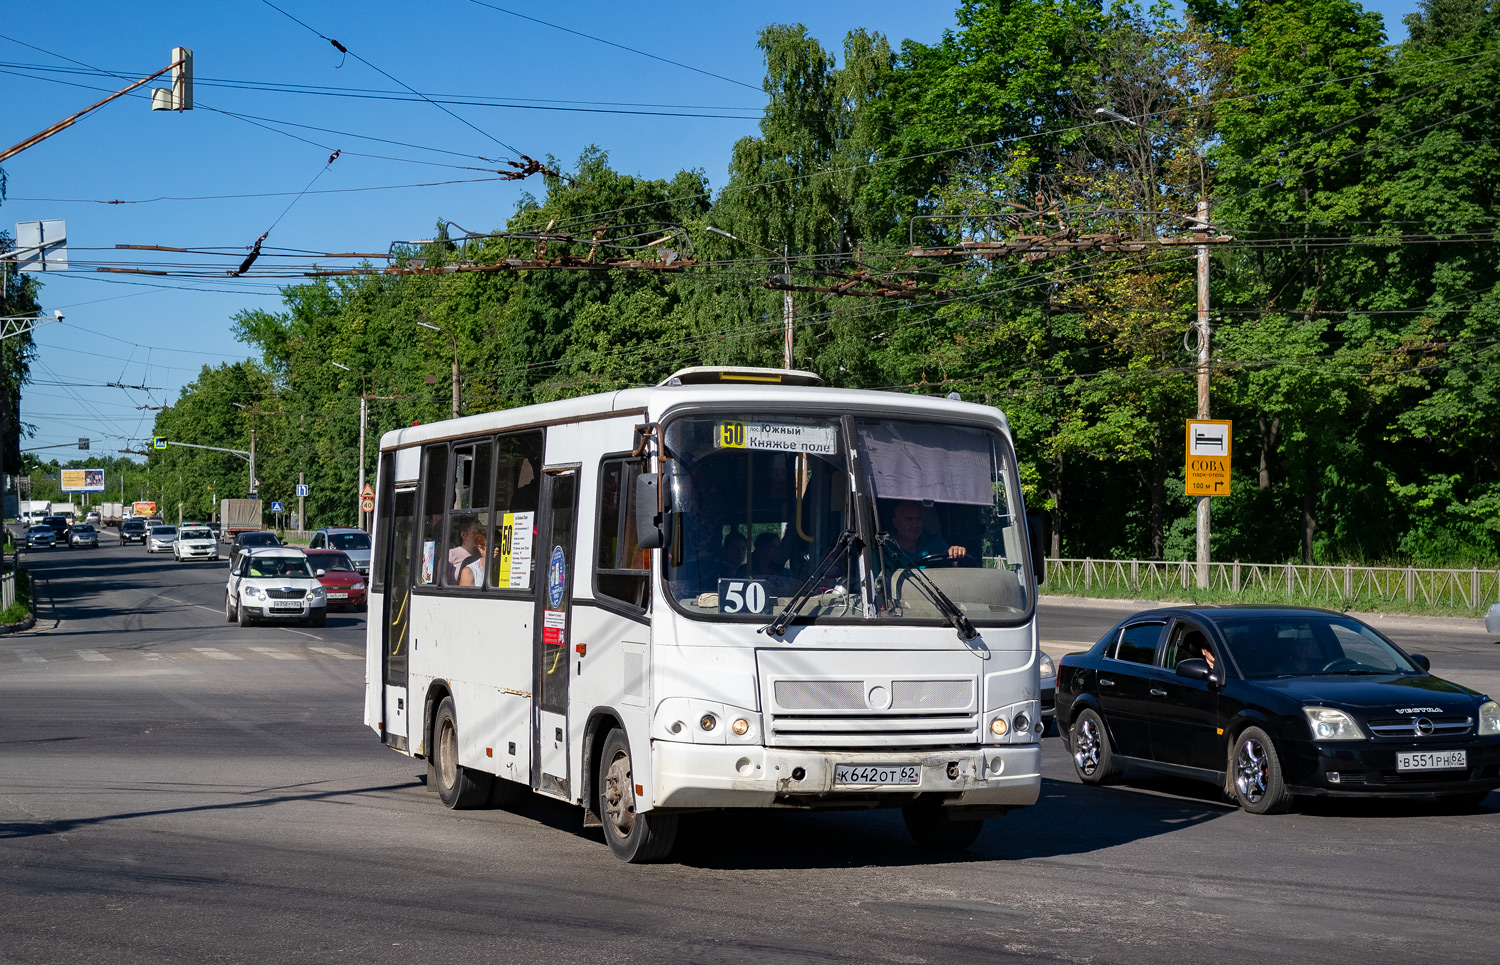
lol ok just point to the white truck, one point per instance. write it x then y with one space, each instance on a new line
110 514
33 510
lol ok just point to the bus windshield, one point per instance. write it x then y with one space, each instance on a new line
763 504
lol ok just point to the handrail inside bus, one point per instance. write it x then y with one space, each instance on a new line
802 470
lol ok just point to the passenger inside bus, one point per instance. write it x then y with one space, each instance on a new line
765 559
465 545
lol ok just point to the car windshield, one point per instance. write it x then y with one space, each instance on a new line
349 541
82 528
259 539
163 531
1296 645
765 514
291 567
196 534
332 562
41 529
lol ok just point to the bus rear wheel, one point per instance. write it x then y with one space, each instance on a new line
633 836
457 786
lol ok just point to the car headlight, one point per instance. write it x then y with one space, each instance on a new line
1332 725
318 593
357 586
254 592
1489 717
1047 667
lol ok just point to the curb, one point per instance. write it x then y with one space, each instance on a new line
1474 625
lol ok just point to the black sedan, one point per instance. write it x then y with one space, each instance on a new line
1273 702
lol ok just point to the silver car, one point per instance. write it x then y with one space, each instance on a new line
83 534
37 536
1492 619
354 543
159 539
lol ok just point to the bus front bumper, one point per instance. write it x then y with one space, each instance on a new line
708 776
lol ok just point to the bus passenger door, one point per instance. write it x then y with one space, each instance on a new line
397 618
553 631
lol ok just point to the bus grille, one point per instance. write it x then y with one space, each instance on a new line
873 712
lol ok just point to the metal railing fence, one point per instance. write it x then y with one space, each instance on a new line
1472 588
7 590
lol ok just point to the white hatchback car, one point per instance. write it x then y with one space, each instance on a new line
195 543
159 538
274 583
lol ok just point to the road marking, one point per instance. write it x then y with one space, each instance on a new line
330 651
150 655
214 653
300 633
275 654
30 656
91 655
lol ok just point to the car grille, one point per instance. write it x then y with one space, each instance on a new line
1409 727
286 594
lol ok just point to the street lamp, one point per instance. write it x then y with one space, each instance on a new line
254 488
1200 234
453 342
786 311
362 419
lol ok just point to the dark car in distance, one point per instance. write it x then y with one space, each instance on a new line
133 530
256 539
1274 702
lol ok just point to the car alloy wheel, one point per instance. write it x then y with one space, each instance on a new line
1086 746
1252 770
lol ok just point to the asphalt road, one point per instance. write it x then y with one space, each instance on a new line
176 789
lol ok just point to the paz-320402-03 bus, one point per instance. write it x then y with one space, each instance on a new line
735 589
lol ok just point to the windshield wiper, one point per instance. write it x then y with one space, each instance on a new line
956 618
777 627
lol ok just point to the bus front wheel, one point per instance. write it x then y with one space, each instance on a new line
935 827
457 786
633 836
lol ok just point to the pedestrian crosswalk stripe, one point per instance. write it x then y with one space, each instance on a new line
30 656
330 651
91 655
275 654
214 653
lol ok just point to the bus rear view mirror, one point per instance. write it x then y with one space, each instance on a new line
650 521
1036 535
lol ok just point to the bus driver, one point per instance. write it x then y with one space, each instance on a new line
907 528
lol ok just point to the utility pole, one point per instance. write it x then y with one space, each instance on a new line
786 310
1200 233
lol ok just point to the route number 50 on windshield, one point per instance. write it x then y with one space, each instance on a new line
743 596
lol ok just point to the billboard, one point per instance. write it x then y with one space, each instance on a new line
82 480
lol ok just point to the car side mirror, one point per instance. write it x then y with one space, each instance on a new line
1036 535
1196 668
650 520
1421 661
320 573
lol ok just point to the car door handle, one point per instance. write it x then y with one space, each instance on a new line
1106 682
1157 692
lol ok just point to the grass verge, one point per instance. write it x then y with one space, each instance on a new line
22 607
1258 595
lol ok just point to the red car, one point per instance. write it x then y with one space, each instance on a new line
346 588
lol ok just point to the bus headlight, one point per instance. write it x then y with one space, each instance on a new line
999 727
708 722
741 727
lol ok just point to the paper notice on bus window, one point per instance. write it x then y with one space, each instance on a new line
429 552
515 551
777 437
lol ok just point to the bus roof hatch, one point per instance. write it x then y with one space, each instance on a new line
740 375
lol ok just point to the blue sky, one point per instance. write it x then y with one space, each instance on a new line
244 173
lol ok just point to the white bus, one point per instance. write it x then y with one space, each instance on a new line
735 589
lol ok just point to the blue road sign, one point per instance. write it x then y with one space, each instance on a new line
276 506
302 489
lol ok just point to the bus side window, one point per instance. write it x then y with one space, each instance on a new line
434 497
621 567
468 544
517 476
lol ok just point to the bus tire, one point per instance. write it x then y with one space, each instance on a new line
458 787
934 827
634 837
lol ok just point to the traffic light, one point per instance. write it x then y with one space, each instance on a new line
83 444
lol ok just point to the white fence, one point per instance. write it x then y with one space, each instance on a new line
7 590
1473 588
